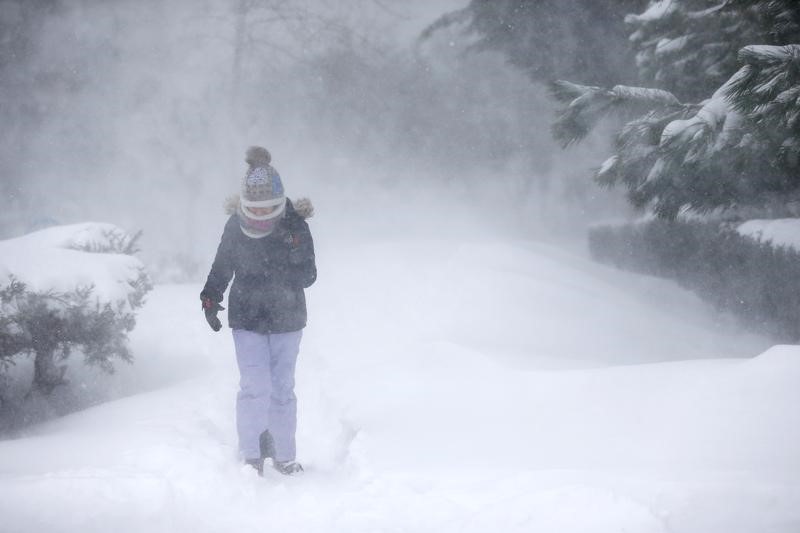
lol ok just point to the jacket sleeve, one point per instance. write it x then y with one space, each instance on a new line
302 264
222 269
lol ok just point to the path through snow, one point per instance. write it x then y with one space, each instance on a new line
443 387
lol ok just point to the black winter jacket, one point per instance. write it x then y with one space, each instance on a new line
270 275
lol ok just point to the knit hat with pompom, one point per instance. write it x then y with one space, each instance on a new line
262 202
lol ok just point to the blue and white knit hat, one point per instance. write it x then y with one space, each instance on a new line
262 202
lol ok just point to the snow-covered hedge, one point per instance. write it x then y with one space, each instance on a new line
735 268
777 232
65 289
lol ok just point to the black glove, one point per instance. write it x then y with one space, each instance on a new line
211 308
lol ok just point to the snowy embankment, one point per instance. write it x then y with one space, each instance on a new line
62 258
443 387
65 290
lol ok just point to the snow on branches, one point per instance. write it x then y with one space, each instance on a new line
740 147
68 288
587 105
689 46
767 89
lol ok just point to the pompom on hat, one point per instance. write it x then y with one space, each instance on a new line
257 156
262 201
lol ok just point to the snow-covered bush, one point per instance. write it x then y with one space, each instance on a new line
751 278
67 289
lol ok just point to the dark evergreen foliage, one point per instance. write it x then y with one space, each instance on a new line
767 91
753 280
690 47
739 148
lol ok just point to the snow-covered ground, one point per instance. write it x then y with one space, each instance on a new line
444 385
60 258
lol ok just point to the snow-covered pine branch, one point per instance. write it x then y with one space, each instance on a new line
586 106
701 157
767 90
741 146
690 47
565 92
637 148
769 73
644 97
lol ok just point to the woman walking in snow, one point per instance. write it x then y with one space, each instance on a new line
267 249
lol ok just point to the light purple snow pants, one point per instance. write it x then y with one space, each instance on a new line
266 397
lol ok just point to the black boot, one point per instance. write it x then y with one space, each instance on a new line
267 445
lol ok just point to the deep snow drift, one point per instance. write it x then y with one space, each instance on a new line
60 258
443 386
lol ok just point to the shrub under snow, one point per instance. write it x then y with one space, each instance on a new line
750 270
66 289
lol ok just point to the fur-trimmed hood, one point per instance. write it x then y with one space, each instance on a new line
301 206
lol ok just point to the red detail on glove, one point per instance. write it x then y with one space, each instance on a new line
208 303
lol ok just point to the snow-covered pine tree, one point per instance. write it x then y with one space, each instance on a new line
689 47
739 147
